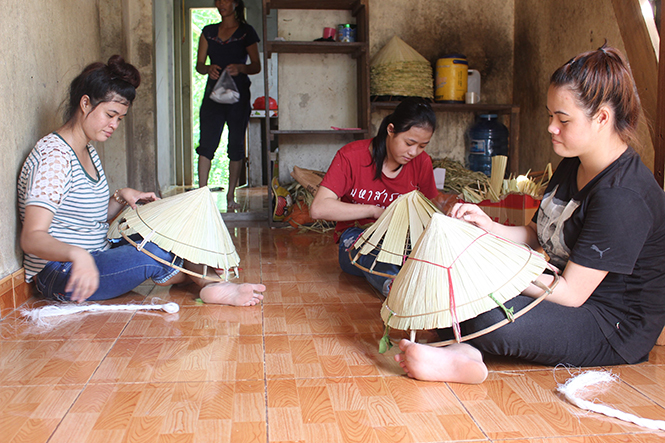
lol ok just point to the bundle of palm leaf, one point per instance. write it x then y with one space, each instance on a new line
299 217
473 186
399 70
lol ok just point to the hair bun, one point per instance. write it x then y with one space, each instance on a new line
124 71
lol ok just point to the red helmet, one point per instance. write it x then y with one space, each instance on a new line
260 103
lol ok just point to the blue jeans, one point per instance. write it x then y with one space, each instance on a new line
379 282
121 269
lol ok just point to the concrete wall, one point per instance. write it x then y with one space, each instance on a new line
45 45
548 33
165 93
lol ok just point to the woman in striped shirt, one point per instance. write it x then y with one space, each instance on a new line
65 207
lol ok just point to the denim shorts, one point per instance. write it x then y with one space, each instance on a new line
121 269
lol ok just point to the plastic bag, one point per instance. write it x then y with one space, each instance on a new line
225 90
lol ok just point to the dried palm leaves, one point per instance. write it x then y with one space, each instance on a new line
399 70
391 238
475 187
189 225
455 272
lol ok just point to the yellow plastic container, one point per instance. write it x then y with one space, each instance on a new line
452 73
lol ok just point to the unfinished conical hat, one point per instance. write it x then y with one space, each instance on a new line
397 50
114 226
189 225
455 272
391 238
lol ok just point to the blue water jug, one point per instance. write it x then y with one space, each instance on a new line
487 137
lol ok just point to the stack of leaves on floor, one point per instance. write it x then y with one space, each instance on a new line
302 192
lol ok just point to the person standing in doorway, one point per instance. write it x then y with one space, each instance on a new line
228 45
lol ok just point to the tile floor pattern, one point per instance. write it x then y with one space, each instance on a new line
301 367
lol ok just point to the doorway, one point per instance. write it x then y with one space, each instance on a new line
190 18
219 168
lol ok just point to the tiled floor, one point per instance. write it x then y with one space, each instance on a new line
301 367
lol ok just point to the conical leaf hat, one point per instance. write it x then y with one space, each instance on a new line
395 233
187 224
396 50
114 226
455 272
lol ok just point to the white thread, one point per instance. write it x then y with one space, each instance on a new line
39 314
571 388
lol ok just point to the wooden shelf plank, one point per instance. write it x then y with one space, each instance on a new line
315 47
316 4
318 131
456 107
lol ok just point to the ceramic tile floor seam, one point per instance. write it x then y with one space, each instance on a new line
638 391
87 383
263 341
587 413
466 410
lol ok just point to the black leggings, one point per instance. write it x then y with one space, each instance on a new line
213 116
549 334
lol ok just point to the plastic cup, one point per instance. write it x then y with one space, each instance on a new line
471 98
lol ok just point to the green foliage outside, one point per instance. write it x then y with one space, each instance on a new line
219 170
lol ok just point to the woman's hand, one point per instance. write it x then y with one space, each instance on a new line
35 240
327 206
84 276
476 216
472 214
378 211
214 71
132 196
235 69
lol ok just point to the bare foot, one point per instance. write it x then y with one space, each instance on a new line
232 205
227 293
458 363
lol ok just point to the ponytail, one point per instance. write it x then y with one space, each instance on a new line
603 77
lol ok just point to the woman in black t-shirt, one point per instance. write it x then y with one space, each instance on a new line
228 44
600 222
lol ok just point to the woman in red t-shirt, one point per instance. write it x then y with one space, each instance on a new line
367 175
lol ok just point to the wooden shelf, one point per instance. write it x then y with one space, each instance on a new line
457 107
512 111
318 131
352 5
356 48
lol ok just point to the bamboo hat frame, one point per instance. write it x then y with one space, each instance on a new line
457 271
391 238
189 225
